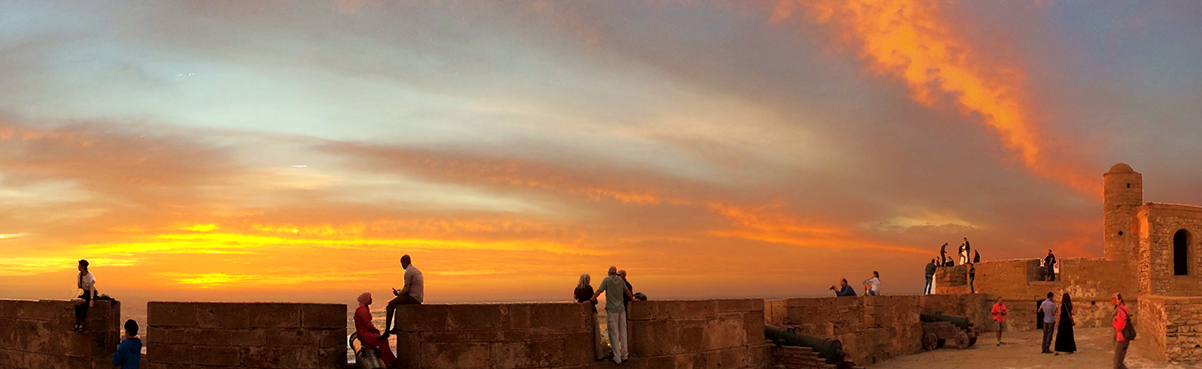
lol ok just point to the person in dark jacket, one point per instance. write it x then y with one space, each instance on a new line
930 276
1049 262
129 352
844 290
976 257
943 254
622 273
584 293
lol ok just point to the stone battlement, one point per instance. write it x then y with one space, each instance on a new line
37 334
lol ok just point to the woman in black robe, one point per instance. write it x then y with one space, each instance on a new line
1064 332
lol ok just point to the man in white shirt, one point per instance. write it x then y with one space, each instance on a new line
412 294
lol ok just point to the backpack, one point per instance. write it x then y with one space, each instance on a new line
1128 329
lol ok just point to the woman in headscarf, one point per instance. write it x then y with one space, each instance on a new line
1064 335
367 332
583 294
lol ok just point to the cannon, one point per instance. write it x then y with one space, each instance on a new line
829 349
938 329
959 321
366 357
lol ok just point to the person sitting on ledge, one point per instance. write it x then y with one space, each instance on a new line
844 289
86 281
872 286
367 332
129 352
412 294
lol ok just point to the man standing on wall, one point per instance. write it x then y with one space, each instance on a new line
943 254
1049 322
967 251
615 308
412 294
1122 317
930 276
1049 262
999 315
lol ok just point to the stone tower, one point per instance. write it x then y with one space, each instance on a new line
1123 193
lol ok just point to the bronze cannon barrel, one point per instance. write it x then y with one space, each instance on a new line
829 349
961 322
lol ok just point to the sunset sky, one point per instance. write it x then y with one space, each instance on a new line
294 150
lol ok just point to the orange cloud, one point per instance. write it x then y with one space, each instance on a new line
763 224
911 40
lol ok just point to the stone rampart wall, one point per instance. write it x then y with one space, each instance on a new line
699 334
37 334
551 335
875 328
1157 224
247 335
1170 326
1088 281
663 334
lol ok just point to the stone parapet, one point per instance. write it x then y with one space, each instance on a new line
875 328
702 333
529 335
248 335
1170 326
37 334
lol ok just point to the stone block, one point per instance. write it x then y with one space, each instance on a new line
204 337
473 317
652 338
726 358
335 338
517 316
331 358
167 353
753 325
691 336
272 315
645 310
293 337
578 348
170 314
224 315
739 305
408 349
455 355
323 315
702 309
216 355
422 318
269 357
560 317
248 337
725 332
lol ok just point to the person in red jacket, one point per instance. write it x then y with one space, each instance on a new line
1121 317
999 315
367 332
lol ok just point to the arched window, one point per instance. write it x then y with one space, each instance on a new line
1181 252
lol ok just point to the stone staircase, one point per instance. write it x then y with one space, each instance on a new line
792 357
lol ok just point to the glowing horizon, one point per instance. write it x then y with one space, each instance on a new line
278 150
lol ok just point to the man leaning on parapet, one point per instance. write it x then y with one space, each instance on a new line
412 294
615 308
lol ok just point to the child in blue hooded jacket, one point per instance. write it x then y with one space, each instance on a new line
129 352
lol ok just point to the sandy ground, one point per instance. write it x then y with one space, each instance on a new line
1021 350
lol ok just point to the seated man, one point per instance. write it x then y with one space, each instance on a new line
412 294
